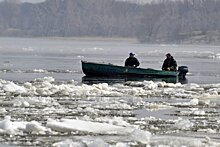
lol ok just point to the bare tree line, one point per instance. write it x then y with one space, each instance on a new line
185 21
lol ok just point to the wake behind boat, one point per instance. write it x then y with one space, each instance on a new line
102 69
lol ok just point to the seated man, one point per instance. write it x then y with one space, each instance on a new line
132 61
169 63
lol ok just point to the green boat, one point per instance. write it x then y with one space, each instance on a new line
109 70
123 79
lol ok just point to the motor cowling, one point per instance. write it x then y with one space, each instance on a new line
183 70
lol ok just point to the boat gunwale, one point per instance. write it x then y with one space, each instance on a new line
167 73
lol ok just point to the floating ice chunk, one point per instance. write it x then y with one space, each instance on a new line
211 143
13 88
73 82
40 71
140 123
183 124
27 101
47 87
150 85
169 91
118 121
2 110
9 127
98 49
182 95
27 49
198 112
213 91
194 87
137 84
171 85
121 144
208 86
207 130
102 86
43 91
137 91
48 79
193 111
68 125
156 106
64 90
204 102
114 105
179 85
141 136
98 143
27 85
217 56
1 83
79 56
172 141
35 127
133 91
6 126
91 110
209 96
161 84
194 102
21 103
68 143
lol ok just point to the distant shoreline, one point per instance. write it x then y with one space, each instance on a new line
92 38
191 41
77 38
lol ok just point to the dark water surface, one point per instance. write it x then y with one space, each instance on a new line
24 59
175 114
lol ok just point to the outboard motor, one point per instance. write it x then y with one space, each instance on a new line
182 71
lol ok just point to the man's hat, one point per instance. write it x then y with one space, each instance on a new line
131 54
168 54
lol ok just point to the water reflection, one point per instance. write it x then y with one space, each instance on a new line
122 79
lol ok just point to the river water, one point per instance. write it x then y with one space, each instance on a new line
41 84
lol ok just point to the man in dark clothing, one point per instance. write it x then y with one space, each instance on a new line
132 61
169 63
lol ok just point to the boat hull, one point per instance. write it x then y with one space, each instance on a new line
122 79
100 69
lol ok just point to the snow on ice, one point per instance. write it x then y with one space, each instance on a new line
103 114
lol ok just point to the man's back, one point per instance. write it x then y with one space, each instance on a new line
132 61
169 64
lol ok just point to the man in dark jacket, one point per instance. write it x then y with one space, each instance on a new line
169 63
132 61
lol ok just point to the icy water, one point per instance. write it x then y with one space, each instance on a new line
45 102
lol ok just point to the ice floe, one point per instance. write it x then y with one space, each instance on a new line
69 143
48 87
183 124
68 125
10 87
108 113
35 128
9 127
